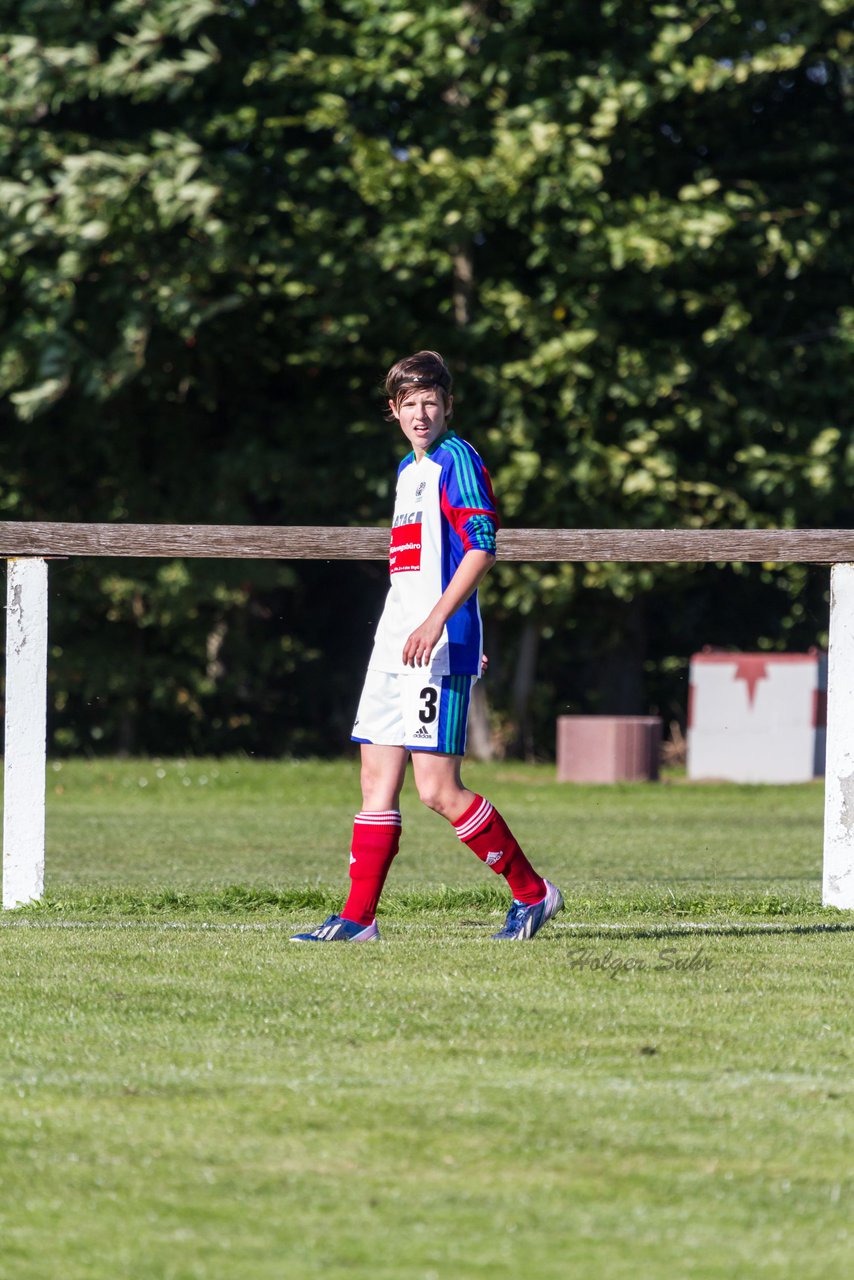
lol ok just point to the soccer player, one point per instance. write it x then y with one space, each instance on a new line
427 655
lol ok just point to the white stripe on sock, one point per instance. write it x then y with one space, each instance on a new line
478 819
383 818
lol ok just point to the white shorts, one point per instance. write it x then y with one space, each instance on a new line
416 710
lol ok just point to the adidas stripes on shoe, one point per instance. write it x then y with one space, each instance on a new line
337 929
524 921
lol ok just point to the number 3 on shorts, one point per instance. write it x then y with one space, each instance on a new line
436 713
430 697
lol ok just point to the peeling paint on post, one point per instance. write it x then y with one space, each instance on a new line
838 878
26 727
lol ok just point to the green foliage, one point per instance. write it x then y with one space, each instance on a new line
627 225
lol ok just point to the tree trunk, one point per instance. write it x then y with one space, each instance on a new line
463 285
620 668
523 686
479 743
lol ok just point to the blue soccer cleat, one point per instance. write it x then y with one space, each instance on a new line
337 929
523 921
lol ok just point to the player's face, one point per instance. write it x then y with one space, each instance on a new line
422 415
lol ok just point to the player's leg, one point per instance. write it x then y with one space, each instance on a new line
476 821
439 784
382 774
376 827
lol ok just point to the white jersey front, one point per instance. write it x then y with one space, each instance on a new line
444 507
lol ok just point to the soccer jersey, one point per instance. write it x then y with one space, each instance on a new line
444 507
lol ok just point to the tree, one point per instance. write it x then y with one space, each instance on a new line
221 222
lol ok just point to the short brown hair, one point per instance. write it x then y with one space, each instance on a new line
424 369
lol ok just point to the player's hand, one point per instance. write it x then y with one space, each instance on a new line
420 645
484 665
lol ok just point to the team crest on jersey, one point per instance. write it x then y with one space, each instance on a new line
419 492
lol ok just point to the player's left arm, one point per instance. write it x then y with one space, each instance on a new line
468 504
471 571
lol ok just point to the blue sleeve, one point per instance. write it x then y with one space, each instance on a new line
468 502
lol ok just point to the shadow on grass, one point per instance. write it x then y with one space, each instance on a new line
707 929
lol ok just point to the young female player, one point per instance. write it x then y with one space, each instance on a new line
427 655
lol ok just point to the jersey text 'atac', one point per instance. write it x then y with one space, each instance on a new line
444 507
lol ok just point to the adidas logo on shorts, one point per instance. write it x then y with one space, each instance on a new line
423 732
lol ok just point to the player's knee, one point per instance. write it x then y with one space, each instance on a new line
436 798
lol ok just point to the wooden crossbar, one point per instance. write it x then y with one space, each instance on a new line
316 542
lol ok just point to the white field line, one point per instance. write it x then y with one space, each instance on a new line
575 927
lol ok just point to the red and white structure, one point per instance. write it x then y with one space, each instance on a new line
757 717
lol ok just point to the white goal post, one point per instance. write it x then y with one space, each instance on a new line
27 546
838 877
24 758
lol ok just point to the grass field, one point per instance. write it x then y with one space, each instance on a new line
659 1086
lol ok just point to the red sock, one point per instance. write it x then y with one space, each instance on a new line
486 833
376 837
